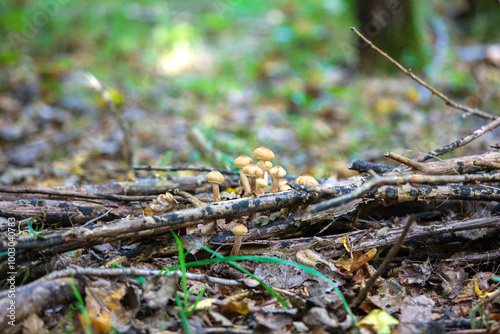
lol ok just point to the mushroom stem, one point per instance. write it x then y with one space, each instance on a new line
236 246
253 184
216 192
245 184
276 182
239 230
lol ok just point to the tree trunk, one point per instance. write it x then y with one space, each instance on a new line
395 26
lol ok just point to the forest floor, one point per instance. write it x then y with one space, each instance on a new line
91 244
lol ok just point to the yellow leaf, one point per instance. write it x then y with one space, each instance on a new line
345 242
482 295
379 320
205 303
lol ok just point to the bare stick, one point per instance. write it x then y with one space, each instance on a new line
460 142
389 257
468 111
404 160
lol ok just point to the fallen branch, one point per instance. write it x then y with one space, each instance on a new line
121 191
411 193
184 167
172 220
38 297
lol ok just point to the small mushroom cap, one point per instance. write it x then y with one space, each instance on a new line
263 153
282 182
242 161
269 165
306 180
239 229
277 172
261 183
284 187
252 171
215 177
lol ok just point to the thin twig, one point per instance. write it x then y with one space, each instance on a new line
446 99
75 194
389 257
460 142
113 272
192 199
184 167
404 160
97 218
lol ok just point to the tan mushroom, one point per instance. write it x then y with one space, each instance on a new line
263 154
262 186
277 172
240 162
239 230
253 172
306 180
215 178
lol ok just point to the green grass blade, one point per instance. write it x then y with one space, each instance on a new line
200 295
264 285
182 262
184 319
81 306
307 269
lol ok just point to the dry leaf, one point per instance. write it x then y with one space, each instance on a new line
236 307
103 305
358 260
414 274
310 258
33 324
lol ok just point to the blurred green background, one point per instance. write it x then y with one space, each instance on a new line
283 73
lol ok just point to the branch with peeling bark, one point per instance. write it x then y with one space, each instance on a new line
409 187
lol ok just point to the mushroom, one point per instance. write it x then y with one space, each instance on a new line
306 180
240 162
239 230
285 187
277 172
283 182
215 178
263 154
261 185
253 172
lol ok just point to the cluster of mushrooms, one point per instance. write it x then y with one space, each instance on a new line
258 184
